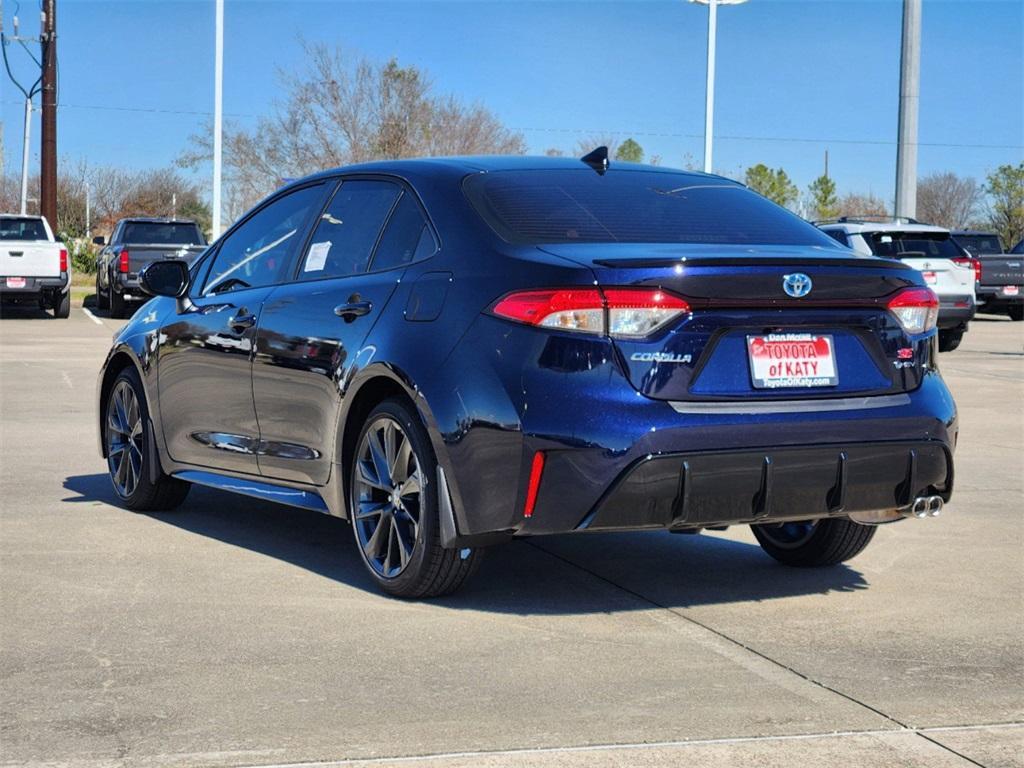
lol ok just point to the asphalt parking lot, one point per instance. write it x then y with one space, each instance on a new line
239 633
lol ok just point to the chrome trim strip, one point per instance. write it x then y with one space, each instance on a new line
256 488
792 406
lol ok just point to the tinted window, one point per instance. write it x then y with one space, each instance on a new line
1018 248
21 229
897 245
257 253
406 238
980 244
580 206
348 229
838 235
158 233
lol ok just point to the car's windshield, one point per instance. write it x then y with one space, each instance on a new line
162 233
896 245
980 244
581 206
16 228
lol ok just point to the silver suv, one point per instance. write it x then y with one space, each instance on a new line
947 268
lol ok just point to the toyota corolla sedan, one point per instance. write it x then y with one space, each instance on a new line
452 353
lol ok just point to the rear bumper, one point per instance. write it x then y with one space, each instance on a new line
34 286
955 311
996 295
128 286
694 490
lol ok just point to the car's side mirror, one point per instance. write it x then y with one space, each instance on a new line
165 278
99 240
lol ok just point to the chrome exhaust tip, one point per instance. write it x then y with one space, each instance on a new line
935 504
919 509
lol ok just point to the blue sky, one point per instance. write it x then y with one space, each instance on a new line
794 78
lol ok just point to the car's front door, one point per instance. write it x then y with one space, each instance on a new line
205 356
312 329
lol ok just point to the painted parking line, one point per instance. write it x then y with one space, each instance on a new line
91 316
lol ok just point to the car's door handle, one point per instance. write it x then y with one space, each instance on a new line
242 320
353 309
16 253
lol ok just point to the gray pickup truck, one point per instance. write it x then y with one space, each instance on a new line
1000 286
133 244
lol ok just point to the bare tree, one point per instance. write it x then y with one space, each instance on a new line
947 200
853 204
343 109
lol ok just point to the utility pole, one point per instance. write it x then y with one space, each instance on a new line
218 95
910 86
28 93
88 209
48 180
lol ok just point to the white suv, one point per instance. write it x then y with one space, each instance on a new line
947 268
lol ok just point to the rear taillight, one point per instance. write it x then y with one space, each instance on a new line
122 262
63 259
616 312
967 261
917 309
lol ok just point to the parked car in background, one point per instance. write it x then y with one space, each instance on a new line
451 353
1000 286
947 268
133 244
34 267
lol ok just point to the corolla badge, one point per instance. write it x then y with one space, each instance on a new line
796 285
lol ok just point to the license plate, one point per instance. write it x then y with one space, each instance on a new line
1011 290
15 282
930 278
792 360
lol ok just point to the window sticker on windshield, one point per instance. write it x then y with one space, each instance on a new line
317 257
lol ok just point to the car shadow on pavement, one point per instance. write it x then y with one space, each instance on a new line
571 574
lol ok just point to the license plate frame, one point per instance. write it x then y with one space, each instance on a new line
792 360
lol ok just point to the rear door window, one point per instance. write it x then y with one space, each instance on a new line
13 228
909 245
347 231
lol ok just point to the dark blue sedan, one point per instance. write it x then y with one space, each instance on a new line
450 353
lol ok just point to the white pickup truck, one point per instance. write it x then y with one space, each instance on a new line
33 265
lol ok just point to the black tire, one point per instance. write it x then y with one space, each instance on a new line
1016 312
950 340
377 499
62 306
118 306
127 425
102 301
814 543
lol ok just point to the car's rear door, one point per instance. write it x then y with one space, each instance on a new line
313 329
205 356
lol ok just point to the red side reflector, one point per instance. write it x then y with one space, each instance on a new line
63 259
122 265
536 470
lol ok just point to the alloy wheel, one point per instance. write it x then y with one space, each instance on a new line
124 439
789 535
387 491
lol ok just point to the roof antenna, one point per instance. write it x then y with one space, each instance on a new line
598 160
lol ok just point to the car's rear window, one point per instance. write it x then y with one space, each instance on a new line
980 244
581 206
160 233
15 228
899 245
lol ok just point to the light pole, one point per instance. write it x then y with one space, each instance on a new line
218 97
709 103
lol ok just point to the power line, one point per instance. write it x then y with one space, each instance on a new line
592 131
